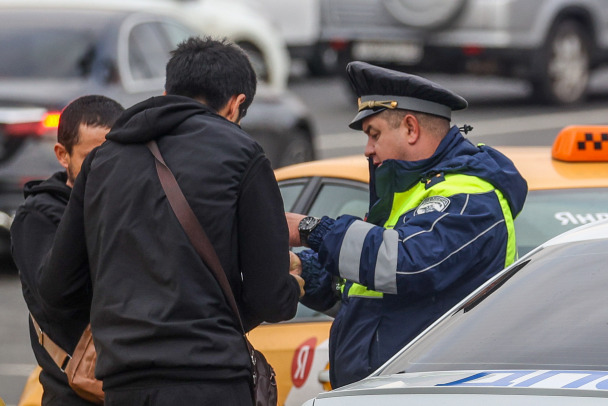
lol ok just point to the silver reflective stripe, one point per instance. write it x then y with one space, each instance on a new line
426 231
455 251
385 279
466 203
352 246
385 276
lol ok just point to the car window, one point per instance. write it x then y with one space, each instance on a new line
36 44
547 313
306 314
148 51
175 33
335 199
23 51
290 193
548 213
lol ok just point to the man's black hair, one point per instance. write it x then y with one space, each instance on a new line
91 110
212 71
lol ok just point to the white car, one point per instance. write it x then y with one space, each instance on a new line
244 25
535 334
300 25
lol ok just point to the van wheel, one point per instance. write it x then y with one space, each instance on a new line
298 149
323 61
562 68
257 59
427 14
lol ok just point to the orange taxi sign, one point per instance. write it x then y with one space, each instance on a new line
581 144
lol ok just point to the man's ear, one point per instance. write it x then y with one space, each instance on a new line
412 127
62 155
231 109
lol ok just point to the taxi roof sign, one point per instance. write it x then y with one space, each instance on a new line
581 144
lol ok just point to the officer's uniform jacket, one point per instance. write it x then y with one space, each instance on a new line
436 230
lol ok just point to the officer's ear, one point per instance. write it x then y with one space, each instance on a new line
62 155
411 127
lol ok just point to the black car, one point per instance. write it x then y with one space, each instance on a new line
54 53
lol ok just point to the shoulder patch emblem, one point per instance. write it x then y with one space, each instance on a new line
433 203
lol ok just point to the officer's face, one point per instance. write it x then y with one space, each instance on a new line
385 140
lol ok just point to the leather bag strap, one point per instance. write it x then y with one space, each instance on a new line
59 356
193 228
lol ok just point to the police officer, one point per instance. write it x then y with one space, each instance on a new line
440 223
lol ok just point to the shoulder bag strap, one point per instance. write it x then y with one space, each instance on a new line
57 353
192 227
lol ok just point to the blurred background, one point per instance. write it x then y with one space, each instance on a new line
527 68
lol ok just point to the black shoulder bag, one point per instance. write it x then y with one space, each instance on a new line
264 386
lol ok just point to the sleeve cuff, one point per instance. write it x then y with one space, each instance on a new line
316 237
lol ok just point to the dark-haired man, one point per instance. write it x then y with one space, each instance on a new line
83 126
163 331
440 223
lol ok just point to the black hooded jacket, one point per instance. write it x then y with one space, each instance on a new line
32 234
157 312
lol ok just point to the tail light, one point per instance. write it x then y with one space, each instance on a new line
338 44
51 120
324 378
29 122
472 50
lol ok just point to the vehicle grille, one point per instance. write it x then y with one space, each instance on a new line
352 13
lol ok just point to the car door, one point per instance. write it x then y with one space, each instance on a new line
298 349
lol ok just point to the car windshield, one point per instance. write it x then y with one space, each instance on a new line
36 44
548 213
548 312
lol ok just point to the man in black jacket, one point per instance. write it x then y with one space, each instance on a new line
83 126
163 331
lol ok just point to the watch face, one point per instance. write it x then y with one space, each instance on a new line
308 223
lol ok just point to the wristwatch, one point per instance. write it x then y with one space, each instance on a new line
306 226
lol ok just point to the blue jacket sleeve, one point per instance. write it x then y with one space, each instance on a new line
320 285
423 252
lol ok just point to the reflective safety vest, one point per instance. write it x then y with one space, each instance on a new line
409 202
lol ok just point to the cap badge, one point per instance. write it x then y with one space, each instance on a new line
370 104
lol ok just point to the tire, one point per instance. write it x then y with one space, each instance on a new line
257 59
562 70
299 148
323 61
425 14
